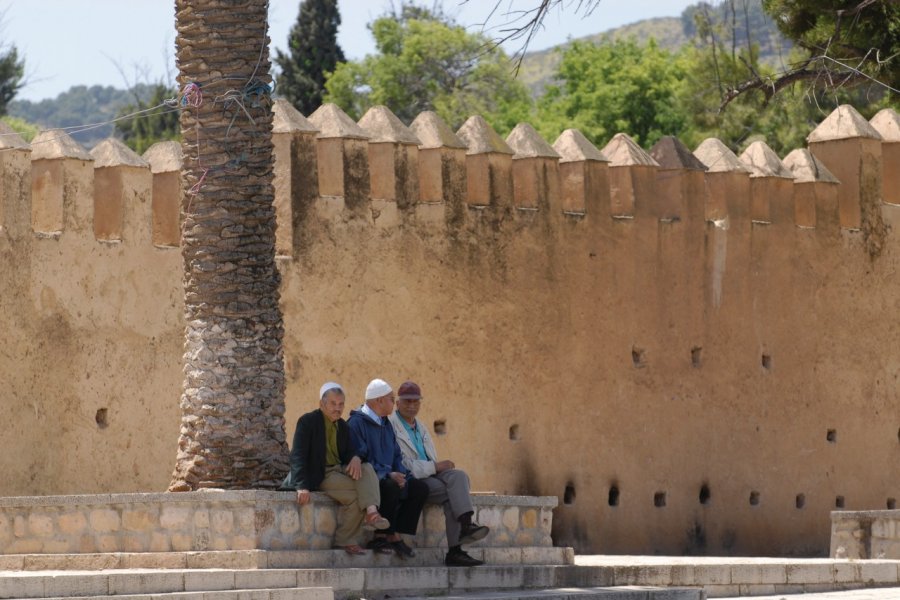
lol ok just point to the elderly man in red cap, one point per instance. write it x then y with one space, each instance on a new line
323 458
447 485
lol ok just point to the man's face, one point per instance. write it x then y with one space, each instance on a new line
333 405
384 406
409 407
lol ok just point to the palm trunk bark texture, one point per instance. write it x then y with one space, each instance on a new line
232 427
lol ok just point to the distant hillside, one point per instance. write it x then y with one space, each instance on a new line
670 33
80 105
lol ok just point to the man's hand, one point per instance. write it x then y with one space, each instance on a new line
354 468
444 465
399 479
303 497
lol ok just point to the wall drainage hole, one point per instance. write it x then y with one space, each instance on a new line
514 432
569 494
839 502
638 357
754 498
800 500
831 435
659 499
101 418
696 357
704 494
767 362
613 499
440 427
892 503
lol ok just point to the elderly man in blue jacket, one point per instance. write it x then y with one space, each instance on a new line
402 495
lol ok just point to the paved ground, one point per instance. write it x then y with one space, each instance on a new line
866 594
607 560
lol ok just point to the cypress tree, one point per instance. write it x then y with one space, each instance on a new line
313 51
12 72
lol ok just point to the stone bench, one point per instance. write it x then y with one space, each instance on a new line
219 520
865 534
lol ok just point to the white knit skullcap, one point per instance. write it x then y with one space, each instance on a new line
327 387
377 388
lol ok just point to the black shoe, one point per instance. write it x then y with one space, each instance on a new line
402 550
473 532
460 558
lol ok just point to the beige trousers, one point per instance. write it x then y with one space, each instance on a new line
354 497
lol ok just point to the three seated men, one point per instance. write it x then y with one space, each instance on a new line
381 468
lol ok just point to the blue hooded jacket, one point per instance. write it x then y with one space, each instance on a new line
376 444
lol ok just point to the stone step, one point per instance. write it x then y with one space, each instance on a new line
732 576
271 559
346 582
273 594
597 593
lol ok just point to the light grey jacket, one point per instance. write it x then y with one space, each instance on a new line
420 468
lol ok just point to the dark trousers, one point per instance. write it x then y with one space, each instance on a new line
402 506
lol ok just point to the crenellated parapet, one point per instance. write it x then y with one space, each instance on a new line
535 170
771 191
122 186
62 179
632 177
442 168
728 183
296 178
165 162
887 124
393 158
815 192
15 191
488 165
342 149
392 175
851 149
680 181
584 175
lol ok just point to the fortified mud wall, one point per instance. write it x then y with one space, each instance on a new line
695 352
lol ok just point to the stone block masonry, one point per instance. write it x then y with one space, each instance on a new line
694 351
865 534
232 521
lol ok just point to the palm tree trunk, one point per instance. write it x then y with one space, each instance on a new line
232 427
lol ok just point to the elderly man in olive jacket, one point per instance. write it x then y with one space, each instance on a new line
323 458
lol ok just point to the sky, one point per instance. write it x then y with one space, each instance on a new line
122 42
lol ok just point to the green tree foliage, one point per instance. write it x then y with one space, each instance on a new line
155 120
616 86
12 73
425 61
314 52
648 92
723 56
22 127
841 36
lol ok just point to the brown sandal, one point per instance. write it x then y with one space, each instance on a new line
353 549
